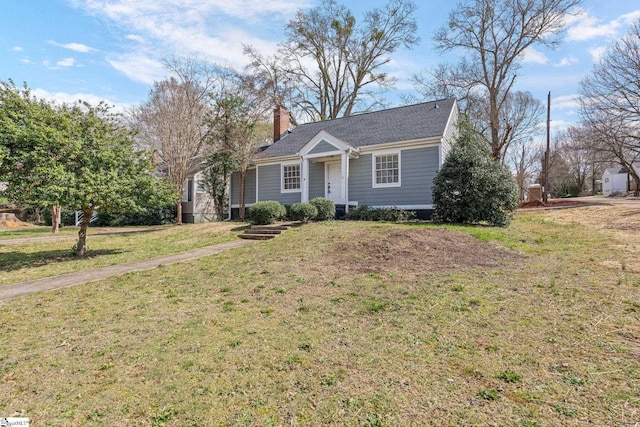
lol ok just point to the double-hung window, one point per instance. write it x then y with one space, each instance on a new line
290 178
386 170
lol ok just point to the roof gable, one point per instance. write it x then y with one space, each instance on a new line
323 143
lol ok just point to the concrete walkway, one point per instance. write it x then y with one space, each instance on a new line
87 276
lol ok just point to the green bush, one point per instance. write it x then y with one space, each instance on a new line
266 212
326 208
472 187
303 212
150 215
364 213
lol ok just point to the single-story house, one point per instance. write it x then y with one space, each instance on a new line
618 180
197 204
386 158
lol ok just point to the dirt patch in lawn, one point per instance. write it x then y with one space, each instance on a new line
434 250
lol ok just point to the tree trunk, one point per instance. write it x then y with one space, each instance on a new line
241 209
636 191
81 246
55 218
36 215
179 212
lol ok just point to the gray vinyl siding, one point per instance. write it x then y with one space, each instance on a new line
322 147
249 187
418 168
316 180
270 185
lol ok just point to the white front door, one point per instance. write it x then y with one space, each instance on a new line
333 183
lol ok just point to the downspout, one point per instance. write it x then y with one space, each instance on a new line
230 196
346 178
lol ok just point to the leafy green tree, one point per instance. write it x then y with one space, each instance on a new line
217 175
472 187
79 156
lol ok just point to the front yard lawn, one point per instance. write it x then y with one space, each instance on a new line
342 323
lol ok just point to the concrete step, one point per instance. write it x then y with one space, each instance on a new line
256 236
269 227
263 231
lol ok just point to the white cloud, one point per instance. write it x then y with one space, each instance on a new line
17 49
559 125
138 67
566 61
533 56
76 47
26 61
565 102
631 17
597 52
71 98
136 38
583 26
188 10
67 62
194 27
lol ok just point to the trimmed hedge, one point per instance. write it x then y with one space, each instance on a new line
147 216
266 212
303 212
326 208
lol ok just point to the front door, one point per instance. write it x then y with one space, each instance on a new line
333 183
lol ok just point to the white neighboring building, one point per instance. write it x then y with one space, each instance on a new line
617 180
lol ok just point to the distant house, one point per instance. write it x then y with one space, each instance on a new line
386 158
197 204
617 180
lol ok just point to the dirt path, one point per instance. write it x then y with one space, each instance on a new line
82 277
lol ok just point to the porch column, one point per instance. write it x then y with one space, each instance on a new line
304 197
345 179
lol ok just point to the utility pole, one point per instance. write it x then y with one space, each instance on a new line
545 194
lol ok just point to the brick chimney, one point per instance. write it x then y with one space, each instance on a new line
281 122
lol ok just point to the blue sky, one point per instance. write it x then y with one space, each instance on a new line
112 49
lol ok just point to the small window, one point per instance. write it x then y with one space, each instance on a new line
386 169
189 190
290 178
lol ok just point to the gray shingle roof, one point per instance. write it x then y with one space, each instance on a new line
406 123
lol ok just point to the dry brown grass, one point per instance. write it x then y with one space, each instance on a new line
306 330
46 258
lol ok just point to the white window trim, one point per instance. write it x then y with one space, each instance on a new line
282 165
374 184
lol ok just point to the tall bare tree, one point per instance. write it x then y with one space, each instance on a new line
173 122
333 62
495 34
239 125
577 156
611 102
523 158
